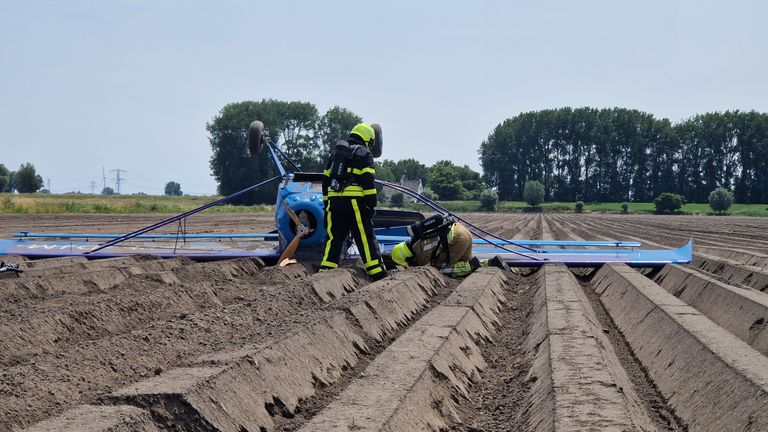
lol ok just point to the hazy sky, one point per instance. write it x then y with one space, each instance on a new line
131 84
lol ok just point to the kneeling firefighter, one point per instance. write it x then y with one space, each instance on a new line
443 243
349 195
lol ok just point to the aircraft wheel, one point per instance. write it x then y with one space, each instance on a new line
378 147
256 137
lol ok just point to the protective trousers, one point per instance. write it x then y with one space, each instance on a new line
342 216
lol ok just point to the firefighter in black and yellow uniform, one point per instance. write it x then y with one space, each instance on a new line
443 243
350 198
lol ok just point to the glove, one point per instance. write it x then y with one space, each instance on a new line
401 253
460 269
370 202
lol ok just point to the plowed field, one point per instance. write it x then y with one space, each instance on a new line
143 344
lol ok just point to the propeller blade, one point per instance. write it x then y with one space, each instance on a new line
290 212
290 249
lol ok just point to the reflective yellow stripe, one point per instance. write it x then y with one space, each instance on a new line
374 271
358 194
371 263
327 173
330 235
363 237
349 191
369 192
325 197
328 264
353 188
357 171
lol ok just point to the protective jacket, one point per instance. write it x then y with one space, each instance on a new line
350 202
456 247
447 247
360 175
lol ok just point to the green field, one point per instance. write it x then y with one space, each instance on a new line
563 207
118 204
100 204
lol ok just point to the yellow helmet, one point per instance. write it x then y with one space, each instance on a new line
401 253
365 132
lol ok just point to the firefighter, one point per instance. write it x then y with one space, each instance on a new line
443 243
349 195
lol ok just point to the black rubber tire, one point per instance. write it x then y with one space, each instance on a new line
378 146
256 137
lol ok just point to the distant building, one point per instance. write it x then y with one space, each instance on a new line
414 185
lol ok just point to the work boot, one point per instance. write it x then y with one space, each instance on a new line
475 263
498 262
378 276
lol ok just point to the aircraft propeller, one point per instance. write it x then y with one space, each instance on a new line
302 230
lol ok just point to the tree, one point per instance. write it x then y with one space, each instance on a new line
429 194
232 165
470 180
533 193
489 199
335 125
293 126
107 191
720 200
11 186
444 181
397 200
5 178
668 202
384 173
297 137
381 198
172 188
410 169
27 180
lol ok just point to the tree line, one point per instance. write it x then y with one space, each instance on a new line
613 155
23 180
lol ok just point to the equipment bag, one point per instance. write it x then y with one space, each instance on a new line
341 161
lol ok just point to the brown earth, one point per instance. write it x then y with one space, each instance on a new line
146 344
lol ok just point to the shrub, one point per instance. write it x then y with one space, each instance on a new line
579 207
472 195
533 193
381 198
488 199
397 200
429 194
624 207
720 200
668 202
